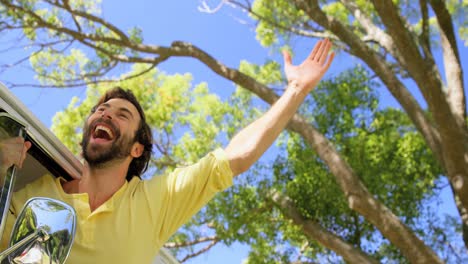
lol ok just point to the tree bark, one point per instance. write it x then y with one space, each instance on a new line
452 63
314 231
453 132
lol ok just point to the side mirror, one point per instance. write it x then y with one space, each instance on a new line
43 232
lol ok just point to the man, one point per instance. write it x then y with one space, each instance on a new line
122 219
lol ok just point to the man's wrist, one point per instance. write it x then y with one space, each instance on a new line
295 87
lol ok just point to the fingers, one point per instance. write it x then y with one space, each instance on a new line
320 51
286 58
26 147
315 50
324 51
329 61
312 69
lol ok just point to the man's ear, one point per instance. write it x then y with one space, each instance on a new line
137 150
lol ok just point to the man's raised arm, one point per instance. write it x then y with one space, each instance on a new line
250 143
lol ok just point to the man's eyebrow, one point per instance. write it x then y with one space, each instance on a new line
105 105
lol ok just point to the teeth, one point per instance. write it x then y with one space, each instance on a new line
106 129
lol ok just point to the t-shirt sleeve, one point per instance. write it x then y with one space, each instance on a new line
176 197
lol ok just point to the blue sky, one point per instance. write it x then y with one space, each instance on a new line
223 35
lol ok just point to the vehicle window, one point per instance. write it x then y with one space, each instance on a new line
9 129
37 162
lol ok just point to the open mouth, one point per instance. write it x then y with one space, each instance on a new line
103 132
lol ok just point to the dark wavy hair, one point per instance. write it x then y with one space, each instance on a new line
143 135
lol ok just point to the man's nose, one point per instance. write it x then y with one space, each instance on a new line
107 114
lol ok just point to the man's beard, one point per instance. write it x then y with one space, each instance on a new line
98 155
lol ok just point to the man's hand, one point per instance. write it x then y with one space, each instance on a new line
13 152
250 143
308 74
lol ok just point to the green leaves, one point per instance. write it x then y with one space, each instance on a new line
54 67
381 146
459 9
275 18
136 35
338 10
55 30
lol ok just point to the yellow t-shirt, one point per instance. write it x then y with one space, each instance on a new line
140 217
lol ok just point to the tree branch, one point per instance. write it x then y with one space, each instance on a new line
293 29
315 232
423 71
374 33
205 8
88 16
191 243
383 70
201 251
66 6
425 34
456 92
453 69
84 83
453 130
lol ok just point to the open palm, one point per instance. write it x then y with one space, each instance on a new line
311 70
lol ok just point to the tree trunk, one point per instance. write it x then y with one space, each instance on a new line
314 231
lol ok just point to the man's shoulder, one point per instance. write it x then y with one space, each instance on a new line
45 179
37 186
41 186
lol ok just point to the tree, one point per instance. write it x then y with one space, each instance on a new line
398 41
382 146
394 39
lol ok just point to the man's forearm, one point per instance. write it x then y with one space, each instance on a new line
250 143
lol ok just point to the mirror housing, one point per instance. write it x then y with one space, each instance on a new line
43 232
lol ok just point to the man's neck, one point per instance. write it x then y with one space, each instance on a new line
100 183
